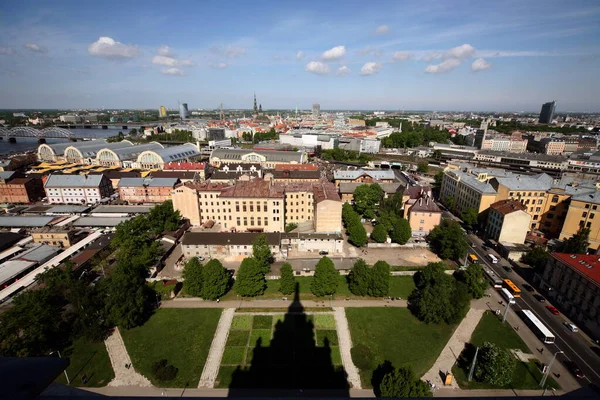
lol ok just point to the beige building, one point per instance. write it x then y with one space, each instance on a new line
267 159
225 244
508 222
573 283
57 237
467 189
583 212
422 214
555 147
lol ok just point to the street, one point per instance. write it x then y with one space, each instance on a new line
576 346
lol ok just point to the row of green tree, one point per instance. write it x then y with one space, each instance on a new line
258 137
338 154
414 135
66 306
577 244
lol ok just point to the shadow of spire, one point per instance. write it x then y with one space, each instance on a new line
293 363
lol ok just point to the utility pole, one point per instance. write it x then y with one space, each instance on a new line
470 378
543 381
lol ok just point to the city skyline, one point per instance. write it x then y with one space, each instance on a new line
409 55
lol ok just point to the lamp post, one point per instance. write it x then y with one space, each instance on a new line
508 304
543 381
65 370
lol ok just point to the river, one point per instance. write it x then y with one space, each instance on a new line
27 144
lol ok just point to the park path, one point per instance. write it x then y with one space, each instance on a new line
345 344
215 354
119 358
199 303
454 347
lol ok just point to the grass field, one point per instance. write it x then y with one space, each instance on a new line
400 286
182 336
491 329
394 334
90 360
279 351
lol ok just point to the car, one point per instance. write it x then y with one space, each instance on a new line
528 287
200 258
507 268
539 298
323 253
574 369
571 326
552 309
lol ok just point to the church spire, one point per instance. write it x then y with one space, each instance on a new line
255 107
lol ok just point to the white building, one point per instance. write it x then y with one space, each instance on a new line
77 189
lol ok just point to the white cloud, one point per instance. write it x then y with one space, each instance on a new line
334 53
229 51
382 30
109 48
370 68
165 51
317 67
444 66
402 56
172 71
299 55
7 51
343 71
480 65
35 48
370 50
171 62
460 52
218 65
433 55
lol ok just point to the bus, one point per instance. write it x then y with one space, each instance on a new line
493 258
473 259
537 327
508 296
512 288
494 279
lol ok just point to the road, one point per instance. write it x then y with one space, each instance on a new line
575 345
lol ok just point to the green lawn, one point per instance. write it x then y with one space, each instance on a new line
394 334
89 359
182 336
401 286
491 329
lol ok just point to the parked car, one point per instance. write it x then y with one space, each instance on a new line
571 326
323 253
528 287
539 298
571 366
200 258
507 268
553 310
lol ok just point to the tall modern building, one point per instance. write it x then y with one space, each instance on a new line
316 110
183 111
162 112
547 112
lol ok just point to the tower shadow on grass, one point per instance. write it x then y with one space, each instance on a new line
292 364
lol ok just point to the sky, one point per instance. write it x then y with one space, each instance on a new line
457 55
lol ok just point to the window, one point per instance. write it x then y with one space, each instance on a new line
540 201
584 215
237 206
587 225
594 207
552 208
535 217
245 221
591 215
422 221
538 209
587 206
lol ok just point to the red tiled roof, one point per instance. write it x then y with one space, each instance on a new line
587 265
296 167
508 206
185 166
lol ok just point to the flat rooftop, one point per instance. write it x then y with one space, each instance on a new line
108 209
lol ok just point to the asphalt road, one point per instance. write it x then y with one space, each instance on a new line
575 346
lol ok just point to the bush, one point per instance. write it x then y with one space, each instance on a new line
362 357
162 371
379 234
494 365
287 282
290 227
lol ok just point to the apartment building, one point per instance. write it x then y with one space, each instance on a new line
56 237
363 176
583 212
508 221
504 143
77 189
423 215
225 244
259 205
573 284
146 190
461 190
14 188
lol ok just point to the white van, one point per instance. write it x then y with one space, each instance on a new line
493 258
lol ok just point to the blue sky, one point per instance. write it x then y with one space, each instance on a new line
433 55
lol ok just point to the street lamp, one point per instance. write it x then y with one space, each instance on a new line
65 370
508 304
543 381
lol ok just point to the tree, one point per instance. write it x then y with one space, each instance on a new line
129 300
250 280
290 227
287 282
357 235
469 217
473 278
366 199
494 365
215 280
326 279
423 167
537 258
438 178
380 279
359 278
448 240
401 231
449 202
193 277
162 371
402 383
578 243
261 251
379 233
349 216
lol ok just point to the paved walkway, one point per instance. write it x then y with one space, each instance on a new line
453 348
213 361
345 344
119 358
198 303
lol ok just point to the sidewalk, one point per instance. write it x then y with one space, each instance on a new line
119 358
345 344
198 303
215 354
